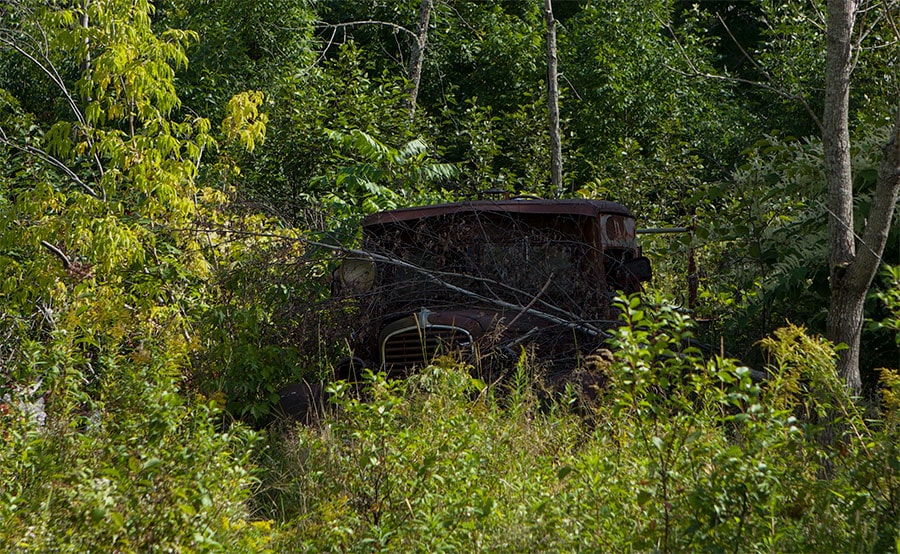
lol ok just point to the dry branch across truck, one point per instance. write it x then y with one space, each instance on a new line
474 278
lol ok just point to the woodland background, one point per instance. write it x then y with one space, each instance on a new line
167 168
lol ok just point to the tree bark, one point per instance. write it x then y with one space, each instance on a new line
553 101
851 283
836 132
843 319
417 55
852 265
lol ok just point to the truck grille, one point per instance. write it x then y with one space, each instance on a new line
417 346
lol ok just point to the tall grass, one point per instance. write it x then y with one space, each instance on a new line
679 453
676 452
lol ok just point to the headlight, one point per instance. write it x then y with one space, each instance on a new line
356 275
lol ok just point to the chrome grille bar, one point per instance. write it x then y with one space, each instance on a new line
412 346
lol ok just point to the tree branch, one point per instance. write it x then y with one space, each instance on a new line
11 38
58 253
533 300
772 86
37 152
884 199
573 322
768 76
565 318
48 70
394 26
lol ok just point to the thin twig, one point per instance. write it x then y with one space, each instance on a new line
847 227
571 323
54 76
50 160
767 75
50 70
533 300
394 26
772 86
885 15
58 253
565 318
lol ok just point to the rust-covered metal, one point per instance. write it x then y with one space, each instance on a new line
486 278
587 208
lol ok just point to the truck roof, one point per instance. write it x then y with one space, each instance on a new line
577 207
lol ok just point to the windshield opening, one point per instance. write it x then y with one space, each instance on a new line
481 258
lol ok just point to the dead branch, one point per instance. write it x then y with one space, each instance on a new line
67 264
564 318
533 300
394 26
37 152
572 321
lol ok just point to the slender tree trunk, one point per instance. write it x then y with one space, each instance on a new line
85 22
845 300
853 264
553 101
417 55
836 132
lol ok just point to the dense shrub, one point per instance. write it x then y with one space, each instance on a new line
678 453
144 470
681 453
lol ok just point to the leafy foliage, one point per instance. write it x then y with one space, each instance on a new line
148 296
771 263
681 454
102 279
382 177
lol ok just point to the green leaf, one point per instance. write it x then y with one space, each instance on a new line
150 464
117 519
643 496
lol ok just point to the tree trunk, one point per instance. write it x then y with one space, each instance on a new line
836 132
845 299
85 22
553 101
852 265
845 318
850 284
417 55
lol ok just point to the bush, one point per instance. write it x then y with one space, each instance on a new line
681 453
158 478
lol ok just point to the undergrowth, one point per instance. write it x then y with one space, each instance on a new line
679 453
676 453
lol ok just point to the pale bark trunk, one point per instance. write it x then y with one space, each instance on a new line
850 284
845 311
417 55
553 101
853 265
884 201
836 132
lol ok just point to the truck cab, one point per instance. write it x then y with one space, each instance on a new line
481 279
